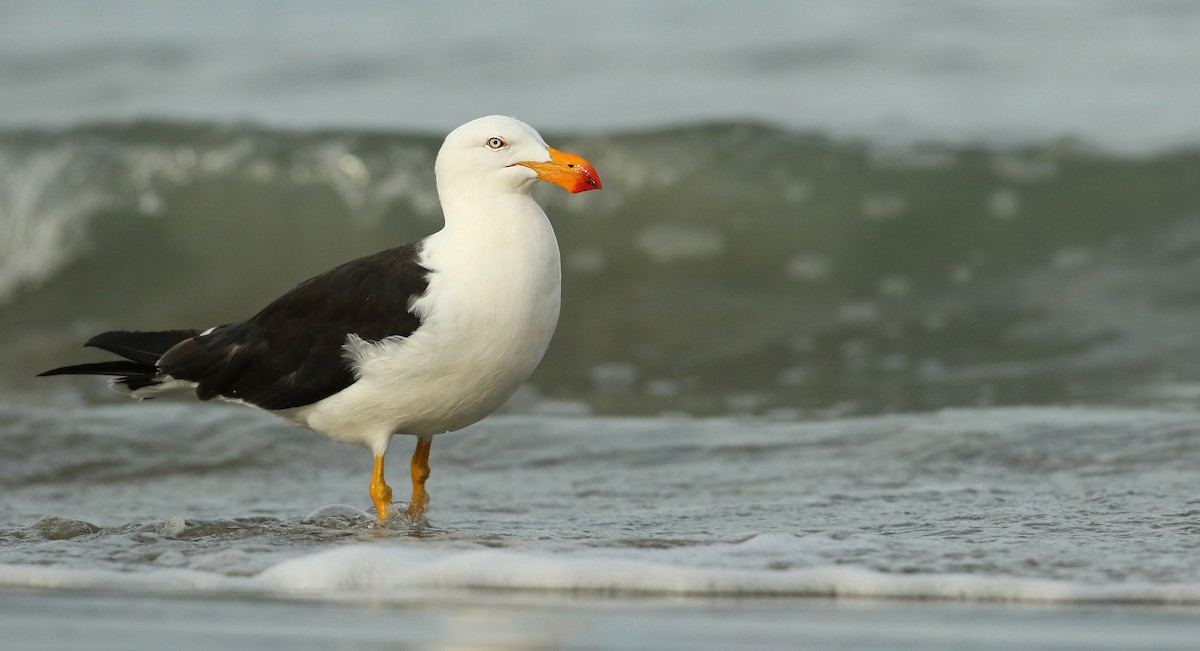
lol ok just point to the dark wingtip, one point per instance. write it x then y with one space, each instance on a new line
106 339
119 367
145 348
62 370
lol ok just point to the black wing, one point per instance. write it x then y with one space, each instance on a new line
290 354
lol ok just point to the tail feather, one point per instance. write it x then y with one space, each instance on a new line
141 347
120 367
141 351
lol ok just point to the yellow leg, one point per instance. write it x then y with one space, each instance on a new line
381 493
420 472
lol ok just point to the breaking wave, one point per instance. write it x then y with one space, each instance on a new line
725 269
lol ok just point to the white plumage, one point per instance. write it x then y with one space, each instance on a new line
487 318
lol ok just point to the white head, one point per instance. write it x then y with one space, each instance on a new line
502 154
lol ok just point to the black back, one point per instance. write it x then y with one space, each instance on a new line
290 354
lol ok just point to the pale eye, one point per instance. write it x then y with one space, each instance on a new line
496 143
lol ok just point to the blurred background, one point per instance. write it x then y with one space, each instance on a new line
811 208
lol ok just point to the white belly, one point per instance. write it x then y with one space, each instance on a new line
488 316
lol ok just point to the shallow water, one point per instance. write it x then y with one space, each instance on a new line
1038 505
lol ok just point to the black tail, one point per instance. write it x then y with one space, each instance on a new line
141 351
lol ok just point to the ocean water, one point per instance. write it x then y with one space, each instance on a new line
1015 504
882 333
1125 75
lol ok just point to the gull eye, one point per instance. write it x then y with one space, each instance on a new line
496 143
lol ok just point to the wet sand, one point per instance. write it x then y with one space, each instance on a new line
500 620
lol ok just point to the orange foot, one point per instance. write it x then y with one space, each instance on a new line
420 472
381 493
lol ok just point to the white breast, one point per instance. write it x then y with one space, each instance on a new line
487 318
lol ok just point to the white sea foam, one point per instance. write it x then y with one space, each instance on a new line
382 569
42 216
